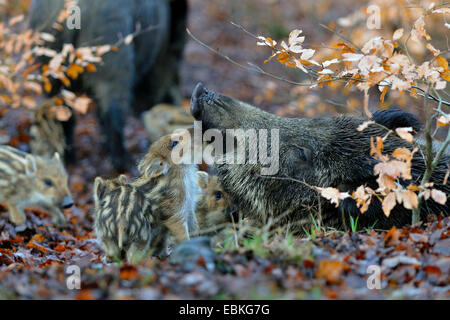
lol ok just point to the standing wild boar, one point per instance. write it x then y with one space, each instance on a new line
324 152
141 74
27 180
171 186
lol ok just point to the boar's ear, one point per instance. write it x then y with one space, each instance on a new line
202 179
156 168
99 187
30 166
123 179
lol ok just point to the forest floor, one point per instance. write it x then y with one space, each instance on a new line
413 262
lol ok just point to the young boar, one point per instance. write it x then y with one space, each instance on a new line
214 207
28 180
47 134
323 152
124 222
164 119
171 186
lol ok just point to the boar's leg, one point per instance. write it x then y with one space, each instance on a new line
70 154
112 123
137 252
111 86
17 215
112 91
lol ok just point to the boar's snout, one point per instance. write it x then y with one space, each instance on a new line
67 202
196 106
201 97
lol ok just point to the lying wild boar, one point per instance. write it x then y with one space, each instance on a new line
27 180
324 152
134 78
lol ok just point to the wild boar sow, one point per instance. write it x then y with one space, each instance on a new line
324 152
141 74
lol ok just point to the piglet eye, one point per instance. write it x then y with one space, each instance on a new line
218 195
173 144
48 182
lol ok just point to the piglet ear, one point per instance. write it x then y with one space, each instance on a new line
202 179
99 188
30 166
123 179
156 168
57 157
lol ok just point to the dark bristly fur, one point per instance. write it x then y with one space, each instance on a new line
395 118
325 152
141 75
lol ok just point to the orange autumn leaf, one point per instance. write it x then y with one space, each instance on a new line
403 154
91 68
60 248
392 236
442 62
47 86
74 70
128 272
383 94
330 270
34 245
283 57
85 295
443 121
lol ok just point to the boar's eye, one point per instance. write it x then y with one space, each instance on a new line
48 182
218 195
173 144
304 154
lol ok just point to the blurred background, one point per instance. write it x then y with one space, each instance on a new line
210 20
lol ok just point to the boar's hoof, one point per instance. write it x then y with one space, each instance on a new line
20 228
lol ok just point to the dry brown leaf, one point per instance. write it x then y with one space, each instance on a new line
405 134
438 196
397 34
333 194
408 198
364 125
389 203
